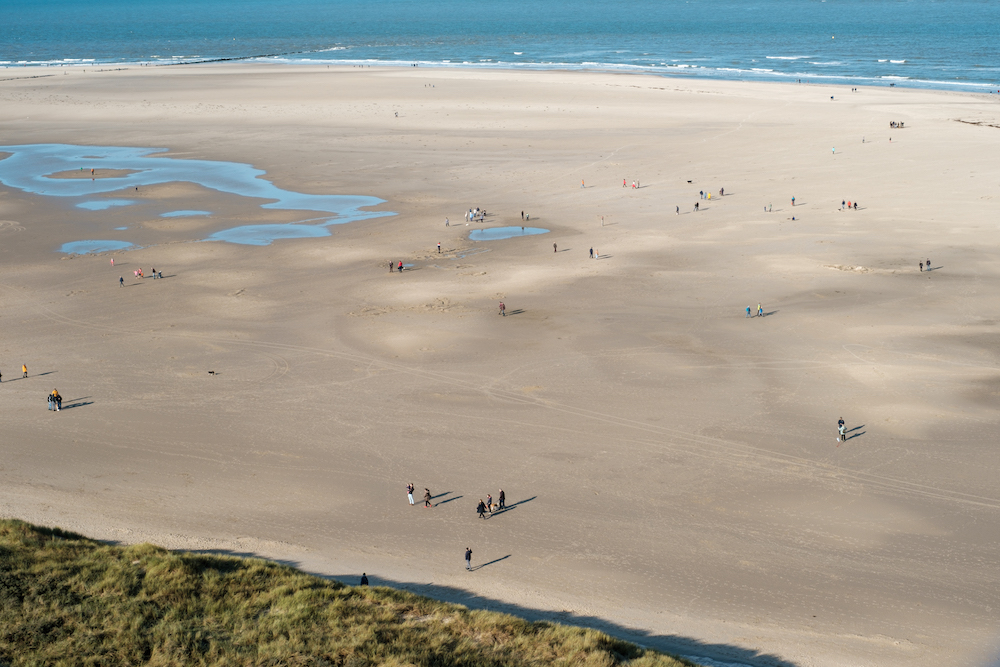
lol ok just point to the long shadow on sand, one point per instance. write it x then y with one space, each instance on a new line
507 508
668 643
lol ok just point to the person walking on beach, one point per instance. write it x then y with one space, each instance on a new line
489 502
481 509
760 311
748 311
793 201
678 211
57 400
503 310
447 223
928 263
121 281
582 186
623 183
555 248
921 267
24 370
501 500
841 434
364 579
701 194
439 247
409 492
592 253
468 558
112 261
696 206
427 498
842 202
522 215
400 266
391 265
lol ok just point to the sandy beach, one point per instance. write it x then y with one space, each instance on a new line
672 468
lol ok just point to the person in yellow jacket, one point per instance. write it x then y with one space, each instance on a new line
24 370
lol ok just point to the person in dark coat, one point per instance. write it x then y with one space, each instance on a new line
364 579
481 509
502 500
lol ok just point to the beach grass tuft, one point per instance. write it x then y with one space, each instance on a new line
68 600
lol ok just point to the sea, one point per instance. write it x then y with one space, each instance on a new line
943 44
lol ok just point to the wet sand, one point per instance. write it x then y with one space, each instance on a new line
671 467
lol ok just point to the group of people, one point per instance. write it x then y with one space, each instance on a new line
395 267
760 311
928 265
635 184
138 273
895 124
489 506
55 401
476 214
849 205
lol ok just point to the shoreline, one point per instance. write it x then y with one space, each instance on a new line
676 73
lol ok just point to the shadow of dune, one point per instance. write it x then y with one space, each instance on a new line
689 647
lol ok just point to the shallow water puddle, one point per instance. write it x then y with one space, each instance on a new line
32 167
500 233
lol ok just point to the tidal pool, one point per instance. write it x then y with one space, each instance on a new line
184 214
103 204
29 168
85 247
499 233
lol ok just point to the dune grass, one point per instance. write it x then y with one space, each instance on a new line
67 600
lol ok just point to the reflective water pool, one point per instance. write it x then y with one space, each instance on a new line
40 169
85 247
184 214
499 233
103 204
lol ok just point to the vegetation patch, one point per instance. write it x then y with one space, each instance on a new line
67 600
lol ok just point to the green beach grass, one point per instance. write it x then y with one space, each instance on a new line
68 600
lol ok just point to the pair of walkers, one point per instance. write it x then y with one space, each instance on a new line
427 495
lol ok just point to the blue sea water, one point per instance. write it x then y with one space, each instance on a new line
951 44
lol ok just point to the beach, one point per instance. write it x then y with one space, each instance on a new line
672 468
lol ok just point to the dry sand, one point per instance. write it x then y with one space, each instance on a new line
672 467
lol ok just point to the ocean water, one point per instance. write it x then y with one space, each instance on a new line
952 44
